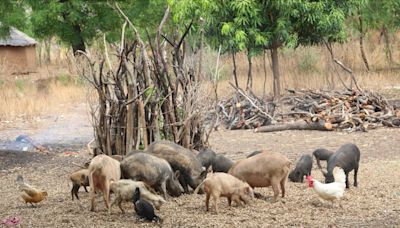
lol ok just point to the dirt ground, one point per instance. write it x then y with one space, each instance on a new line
374 203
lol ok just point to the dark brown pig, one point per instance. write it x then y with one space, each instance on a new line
303 168
191 171
206 157
322 155
263 170
221 164
79 178
102 171
154 171
225 185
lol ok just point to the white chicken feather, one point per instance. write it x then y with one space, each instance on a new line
331 191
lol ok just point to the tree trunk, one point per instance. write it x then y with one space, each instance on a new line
362 34
234 69
249 73
47 43
298 125
275 70
388 51
265 71
199 73
80 45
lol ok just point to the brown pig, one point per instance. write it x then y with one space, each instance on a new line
79 178
124 189
226 185
102 171
152 170
192 173
263 170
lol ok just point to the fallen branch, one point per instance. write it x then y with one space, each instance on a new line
298 125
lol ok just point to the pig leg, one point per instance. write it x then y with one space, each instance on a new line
118 200
74 191
318 163
207 200
85 188
229 200
355 176
275 188
283 182
120 205
347 180
237 200
216 198
106 194
92 192
164 189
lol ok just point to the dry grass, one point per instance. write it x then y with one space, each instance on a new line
304 67
312 68
27 98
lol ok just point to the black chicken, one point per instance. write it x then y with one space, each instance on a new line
143 208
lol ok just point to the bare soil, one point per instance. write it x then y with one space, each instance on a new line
374 203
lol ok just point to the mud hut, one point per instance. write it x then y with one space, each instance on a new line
17 53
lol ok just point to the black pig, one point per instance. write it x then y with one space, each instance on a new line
206 157
322 155
346 157
303 167
221 164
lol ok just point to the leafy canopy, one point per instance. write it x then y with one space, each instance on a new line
252 24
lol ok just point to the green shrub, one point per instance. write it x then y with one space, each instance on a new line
308 62
20 84
64 79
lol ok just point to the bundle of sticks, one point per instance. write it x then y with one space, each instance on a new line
349 110
245 110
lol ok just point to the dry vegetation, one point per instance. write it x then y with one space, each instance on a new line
312 68
375 203
29 96
304 67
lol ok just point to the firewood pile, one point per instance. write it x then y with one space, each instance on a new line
351 110
245 110
348 110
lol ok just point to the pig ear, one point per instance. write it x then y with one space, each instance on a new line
177 173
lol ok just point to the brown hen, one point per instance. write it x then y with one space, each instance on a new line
28 193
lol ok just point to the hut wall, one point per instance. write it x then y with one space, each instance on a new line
17 59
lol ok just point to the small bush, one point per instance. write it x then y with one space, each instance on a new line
20 84
308 62
64 79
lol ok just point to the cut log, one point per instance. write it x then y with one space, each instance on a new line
298 125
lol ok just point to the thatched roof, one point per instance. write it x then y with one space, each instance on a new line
17 38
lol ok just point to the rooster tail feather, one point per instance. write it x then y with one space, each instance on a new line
339 175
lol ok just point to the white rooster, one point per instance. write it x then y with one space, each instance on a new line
331 191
